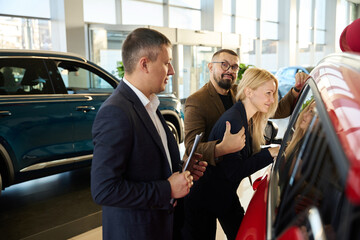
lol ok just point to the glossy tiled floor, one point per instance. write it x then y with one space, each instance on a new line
61 207
244 191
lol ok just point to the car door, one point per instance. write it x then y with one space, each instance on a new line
309 172
87 88
35 125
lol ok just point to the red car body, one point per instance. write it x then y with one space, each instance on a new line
335 85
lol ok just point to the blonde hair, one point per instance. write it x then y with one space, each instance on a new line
254 78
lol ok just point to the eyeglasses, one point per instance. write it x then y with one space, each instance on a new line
226 66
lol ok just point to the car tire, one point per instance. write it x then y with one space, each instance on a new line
173 131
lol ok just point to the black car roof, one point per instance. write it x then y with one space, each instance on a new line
40 53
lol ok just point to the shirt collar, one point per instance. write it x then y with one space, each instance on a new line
144 100
151 104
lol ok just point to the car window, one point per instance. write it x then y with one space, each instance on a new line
24 76
79 78
289 72
306 172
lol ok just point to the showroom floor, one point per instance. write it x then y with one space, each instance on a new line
244 191
61 207
55 207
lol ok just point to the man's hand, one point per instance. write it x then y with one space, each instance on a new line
300 80
196 167
231 142
180 184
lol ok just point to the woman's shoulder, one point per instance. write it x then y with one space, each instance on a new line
235 116
237 111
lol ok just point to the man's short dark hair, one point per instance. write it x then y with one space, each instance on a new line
231 52
142 42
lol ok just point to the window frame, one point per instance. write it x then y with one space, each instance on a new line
331 140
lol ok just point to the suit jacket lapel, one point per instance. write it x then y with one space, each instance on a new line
145 118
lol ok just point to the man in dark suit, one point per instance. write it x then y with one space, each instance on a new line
135 169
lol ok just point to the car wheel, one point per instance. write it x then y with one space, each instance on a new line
173 131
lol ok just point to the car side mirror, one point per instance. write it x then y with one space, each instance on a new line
270 133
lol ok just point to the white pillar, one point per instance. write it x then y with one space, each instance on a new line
211 15
287 32
58 30
75 27
331 41
118 11
166 10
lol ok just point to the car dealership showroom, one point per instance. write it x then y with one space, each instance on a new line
60 60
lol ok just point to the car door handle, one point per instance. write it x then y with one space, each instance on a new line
5 113
85 108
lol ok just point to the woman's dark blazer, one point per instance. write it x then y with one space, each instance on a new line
216 190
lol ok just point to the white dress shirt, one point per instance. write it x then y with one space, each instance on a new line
151 106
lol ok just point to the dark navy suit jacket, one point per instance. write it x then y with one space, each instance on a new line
130 169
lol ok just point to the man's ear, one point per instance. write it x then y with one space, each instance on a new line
143 62
210 66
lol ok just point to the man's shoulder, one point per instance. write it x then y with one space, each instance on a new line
202 94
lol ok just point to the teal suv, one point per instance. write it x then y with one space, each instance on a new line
48 102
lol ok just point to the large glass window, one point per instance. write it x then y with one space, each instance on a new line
311 31
99 11
305 25
186 3
258 30
184 18
106 48
269 54
320 27
227 9
246 18
248 50
269 34
147 13
246 8
25 33
246 27
226 23
269 10
106 51
193 70
227 16
269 30
320 7
33 8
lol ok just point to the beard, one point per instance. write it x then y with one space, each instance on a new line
224 83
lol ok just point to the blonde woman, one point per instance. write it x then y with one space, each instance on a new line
214 195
